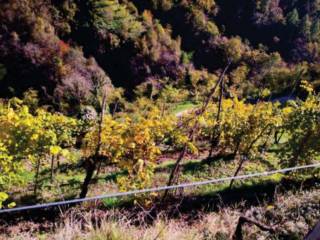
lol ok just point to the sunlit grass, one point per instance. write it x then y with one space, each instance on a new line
184 106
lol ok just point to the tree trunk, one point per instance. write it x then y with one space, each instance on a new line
242 160
244 155
93 162
265 144
215 137
277 136
242 220
115 108
56 170
89 174
176 170
99 169
58 164
36 182
52 168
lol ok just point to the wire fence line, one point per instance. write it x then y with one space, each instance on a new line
158 189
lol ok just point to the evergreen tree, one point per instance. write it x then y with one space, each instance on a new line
305 28
293 18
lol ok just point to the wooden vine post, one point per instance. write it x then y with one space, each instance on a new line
174 175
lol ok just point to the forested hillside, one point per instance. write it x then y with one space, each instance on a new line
104 96
64 49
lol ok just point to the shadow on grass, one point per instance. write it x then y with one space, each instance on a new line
246 195
250 195
187 167
63 168
113 176
275 150
196 165
267 163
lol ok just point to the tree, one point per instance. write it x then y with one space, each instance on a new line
233 49
269 12
93 160
303 129
202 23
27 137
132 142
293 18
315 30
248 128
113 17
193 129
305 27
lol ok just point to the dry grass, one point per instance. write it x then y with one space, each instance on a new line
108 226
208 227
296 211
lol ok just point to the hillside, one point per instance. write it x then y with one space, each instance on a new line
61 48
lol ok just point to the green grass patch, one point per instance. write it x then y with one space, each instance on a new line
184 106
111 202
